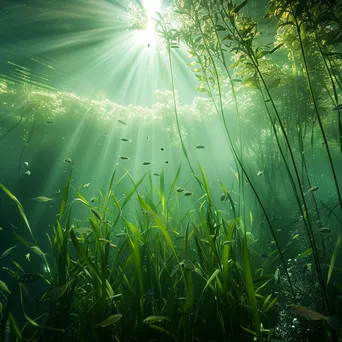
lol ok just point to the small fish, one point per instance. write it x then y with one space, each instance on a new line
156 174
28 257
155 319
49 122
126 140
122 122
68 160
28 173
259 173
187 193
187 265
148 138
313 188
7 252
92 199
42 199
124 158
179 189
325 230
224 197
146 163
57 191
308 313
107 241
265 256
162 149
86 186
200 147
26 164
267 100
110 320
166 162
29 278
338 107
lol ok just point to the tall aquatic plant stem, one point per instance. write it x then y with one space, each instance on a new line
308 78
241 164
307 223
176 115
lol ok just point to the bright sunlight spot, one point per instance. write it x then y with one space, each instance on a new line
143 20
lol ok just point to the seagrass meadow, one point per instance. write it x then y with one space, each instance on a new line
170 170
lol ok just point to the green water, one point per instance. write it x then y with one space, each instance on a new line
170 171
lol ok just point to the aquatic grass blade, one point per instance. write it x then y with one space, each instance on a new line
333 259
20 208
65 196
250 289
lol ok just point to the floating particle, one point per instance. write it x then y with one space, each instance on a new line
49 122
260 173
28 173
156 174
179 189
86 186
122 122
68 160
162 149
26 164
166 161
325 230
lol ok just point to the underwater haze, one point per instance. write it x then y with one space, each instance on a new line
171 170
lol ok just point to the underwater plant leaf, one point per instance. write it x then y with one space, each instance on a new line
162 191
270 305
15 327
239 7
175 180
202 88
250 289
158 328
4 287
20 208
305 253
83 255
205 183
18 266
249 331
31 321
37 250
333 259
65 196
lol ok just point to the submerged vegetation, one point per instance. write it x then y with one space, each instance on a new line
178 256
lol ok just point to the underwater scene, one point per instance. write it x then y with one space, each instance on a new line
171 170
